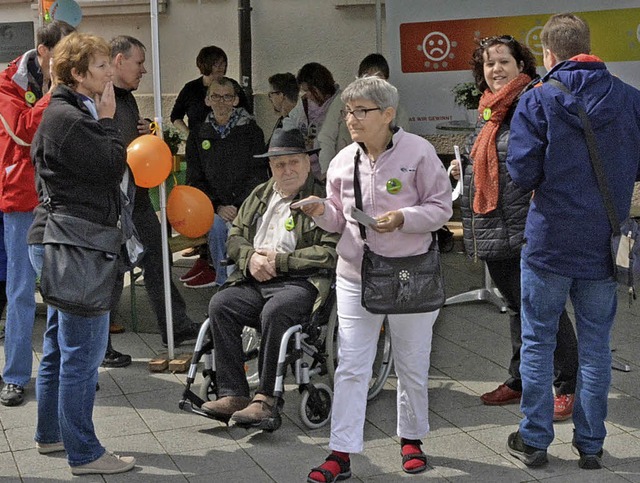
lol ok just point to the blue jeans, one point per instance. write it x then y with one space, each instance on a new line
218 247
21 301
72 351
544 295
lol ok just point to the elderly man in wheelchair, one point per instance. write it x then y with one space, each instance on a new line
284 265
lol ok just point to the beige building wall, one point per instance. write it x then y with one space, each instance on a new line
286 34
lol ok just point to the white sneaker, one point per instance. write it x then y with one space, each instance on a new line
107 464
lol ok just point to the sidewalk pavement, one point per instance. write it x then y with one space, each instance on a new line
137 412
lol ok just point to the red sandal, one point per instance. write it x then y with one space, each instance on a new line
410 451
329 476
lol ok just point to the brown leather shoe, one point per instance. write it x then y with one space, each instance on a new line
116 329
501 396
224 407
259 410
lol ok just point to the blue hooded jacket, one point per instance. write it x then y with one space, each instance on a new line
567 230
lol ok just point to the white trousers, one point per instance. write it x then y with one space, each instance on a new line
358 334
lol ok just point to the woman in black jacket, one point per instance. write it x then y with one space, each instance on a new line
494 209
80 159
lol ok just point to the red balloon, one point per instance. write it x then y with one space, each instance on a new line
189 211
150 160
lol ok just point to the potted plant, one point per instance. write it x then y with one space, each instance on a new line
174 140
467 95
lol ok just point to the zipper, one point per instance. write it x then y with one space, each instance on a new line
473 218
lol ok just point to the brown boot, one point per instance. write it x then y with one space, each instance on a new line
224 407
260 410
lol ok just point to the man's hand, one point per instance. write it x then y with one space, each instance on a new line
144 126
390 221
313 209
106 102
227 212
262 265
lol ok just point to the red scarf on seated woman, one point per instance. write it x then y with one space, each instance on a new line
485 152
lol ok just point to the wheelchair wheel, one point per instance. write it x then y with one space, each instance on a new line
208 390
382 363
315 405
251 346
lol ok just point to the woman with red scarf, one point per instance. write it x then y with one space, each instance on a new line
494 209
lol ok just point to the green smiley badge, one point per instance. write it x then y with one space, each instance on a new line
206 144
486 114
394 185
289 224
30 97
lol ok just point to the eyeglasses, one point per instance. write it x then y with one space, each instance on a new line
496 39
293 163
359 114
273 93
225 98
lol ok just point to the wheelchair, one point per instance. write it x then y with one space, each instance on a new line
309 349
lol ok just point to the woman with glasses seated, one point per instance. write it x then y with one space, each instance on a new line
223 164
405 188
494 209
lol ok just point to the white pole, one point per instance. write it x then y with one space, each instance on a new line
378 26
157 103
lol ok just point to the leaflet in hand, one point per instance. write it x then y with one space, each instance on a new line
297 204
362 217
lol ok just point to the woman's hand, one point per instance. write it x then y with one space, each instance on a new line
454 169
106 102
312 208
390 221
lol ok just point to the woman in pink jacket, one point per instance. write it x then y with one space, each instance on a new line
406 189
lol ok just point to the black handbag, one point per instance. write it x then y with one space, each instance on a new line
80 263
399 285
625 237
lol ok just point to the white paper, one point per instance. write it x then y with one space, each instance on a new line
362 217
457 191
300 203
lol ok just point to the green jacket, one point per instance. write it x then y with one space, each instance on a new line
315 255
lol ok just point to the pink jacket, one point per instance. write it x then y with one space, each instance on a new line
424 199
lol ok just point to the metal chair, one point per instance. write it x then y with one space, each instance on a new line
488 293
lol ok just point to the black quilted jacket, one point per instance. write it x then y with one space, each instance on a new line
500 233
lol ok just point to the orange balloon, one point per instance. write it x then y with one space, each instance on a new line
150 160
189 211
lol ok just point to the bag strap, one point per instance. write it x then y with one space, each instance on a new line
594 156
358 191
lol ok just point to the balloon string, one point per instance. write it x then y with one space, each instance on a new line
175 179
153 127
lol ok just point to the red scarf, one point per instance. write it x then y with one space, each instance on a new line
484 152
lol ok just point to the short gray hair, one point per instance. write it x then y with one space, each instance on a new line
374 89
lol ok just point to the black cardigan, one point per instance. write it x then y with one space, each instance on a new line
81 159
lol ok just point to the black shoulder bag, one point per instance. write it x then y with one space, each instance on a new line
625 238
399 285
80 263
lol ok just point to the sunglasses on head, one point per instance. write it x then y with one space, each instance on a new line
496 39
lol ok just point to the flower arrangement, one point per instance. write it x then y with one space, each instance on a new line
467 95
173 138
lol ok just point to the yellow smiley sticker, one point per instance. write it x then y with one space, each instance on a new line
394 185
206 144
486 114
289 224
30 97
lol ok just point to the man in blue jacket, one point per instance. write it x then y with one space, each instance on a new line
567 251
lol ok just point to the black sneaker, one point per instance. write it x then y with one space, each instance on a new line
188 336
529 455
113 358
587 461
11 395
